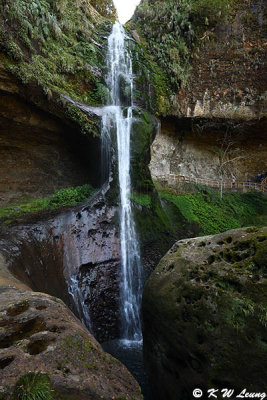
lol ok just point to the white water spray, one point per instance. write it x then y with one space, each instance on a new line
120 82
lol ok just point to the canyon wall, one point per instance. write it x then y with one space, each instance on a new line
182 147
40 153
208 85
74 255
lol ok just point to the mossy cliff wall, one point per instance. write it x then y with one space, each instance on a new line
49 50
56 46
207 83
211 53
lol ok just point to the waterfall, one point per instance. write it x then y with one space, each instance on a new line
120 112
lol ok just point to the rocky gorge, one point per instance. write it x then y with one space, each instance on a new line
197 89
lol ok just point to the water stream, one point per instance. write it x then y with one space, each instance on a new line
120 83
128 348
117 119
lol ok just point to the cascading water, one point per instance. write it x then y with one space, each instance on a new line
120 115
120 82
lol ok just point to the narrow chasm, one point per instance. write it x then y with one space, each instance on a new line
133 206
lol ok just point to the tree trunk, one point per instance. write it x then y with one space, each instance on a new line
221 189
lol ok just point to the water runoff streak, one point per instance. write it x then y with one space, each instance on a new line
120 82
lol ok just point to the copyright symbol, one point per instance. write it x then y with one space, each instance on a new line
197 393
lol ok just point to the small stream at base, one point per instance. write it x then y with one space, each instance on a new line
130 353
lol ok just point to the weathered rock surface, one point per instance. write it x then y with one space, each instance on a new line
74 255
228 78
39 152
204 314
39 333
182 147
224 76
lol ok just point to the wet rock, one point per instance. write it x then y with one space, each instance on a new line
204 314
74 255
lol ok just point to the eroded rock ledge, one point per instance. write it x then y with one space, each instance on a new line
204 314
39 333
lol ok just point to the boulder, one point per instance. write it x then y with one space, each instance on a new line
204 315
39 336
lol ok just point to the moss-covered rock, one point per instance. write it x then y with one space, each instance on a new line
152 86
211 54
45 351
143 131
204 314
55 49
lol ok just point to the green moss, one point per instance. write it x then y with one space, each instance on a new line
88 346
90 367
142 199
142 130
88 125
57 46
212 309
153 87
153 225
63 197
214 215
261 254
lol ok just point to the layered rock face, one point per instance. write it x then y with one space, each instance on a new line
39 333
204 314
210 79
182 148
227 77
39 153
213 54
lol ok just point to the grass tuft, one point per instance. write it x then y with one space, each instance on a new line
33 386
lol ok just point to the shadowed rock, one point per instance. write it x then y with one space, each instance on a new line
204 314
39 333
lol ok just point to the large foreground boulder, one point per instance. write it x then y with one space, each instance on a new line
39 334
204 313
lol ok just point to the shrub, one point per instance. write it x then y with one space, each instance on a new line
71 196
142 199
63 197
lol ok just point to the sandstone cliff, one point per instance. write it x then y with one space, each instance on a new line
47 52
208 84
212 54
